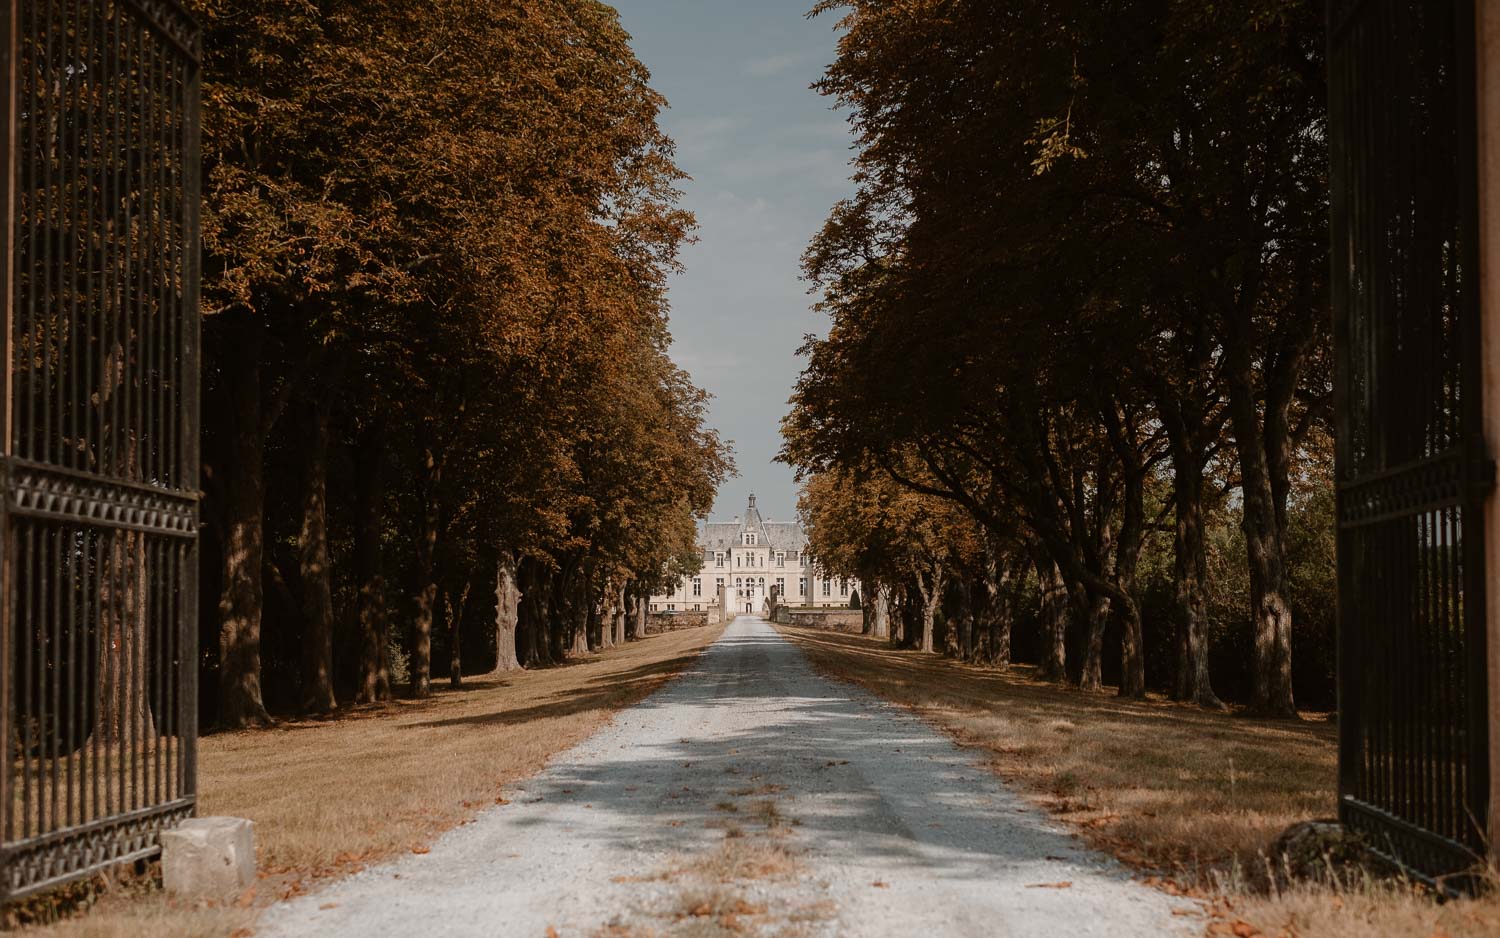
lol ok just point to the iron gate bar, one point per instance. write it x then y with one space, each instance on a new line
1412 471
98 562
42 491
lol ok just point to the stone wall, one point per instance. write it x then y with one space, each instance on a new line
656 622
842 620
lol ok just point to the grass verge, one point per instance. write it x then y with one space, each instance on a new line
331 796
1194 797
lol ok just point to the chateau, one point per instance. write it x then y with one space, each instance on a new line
750 559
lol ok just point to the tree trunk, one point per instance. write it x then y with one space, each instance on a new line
1190 568
909 618
1126 437
535 617
582 610
1263 457
455 636
1054 617
369 564
1095 609
580 646
1132 653
602 619
931 591
966 626
619 616
1271 618
121 691
998 615
880 620
641 608
562 630
315 572
427 588
242 601
507 613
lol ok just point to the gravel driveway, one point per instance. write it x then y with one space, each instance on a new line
750 796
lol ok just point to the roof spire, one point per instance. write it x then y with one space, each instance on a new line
752 499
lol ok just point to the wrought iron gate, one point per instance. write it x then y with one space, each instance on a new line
1412 471
98 277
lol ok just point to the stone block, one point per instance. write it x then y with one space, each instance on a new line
208 857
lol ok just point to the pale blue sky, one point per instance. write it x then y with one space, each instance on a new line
768 159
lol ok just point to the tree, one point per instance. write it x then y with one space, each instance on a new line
436 244
1106 223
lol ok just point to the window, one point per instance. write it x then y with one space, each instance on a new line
671 608
826 585
653 607
801 586
718 585
718 558
843 587
738 558
762 582
738 582
697 586
780 559
750 539
781 586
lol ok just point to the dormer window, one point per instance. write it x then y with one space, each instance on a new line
780 559
750 539
718 558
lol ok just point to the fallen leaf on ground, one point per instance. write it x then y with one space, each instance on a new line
328 905
880 885
1065 884
421 849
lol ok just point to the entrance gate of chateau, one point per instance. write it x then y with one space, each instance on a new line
1413 473
99 443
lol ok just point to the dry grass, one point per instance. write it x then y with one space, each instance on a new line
1357 911
708 901
738 860
1165 786
330 796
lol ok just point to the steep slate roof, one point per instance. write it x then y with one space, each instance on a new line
777 535
785 535
719 535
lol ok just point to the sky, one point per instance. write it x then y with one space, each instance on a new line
768 158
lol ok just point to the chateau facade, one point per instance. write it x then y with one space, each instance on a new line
750 559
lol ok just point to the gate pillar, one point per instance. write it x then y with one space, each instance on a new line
1487 34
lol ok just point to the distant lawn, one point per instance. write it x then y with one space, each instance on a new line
1161 785
331 796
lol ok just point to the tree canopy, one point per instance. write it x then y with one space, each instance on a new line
437 238
1082 286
